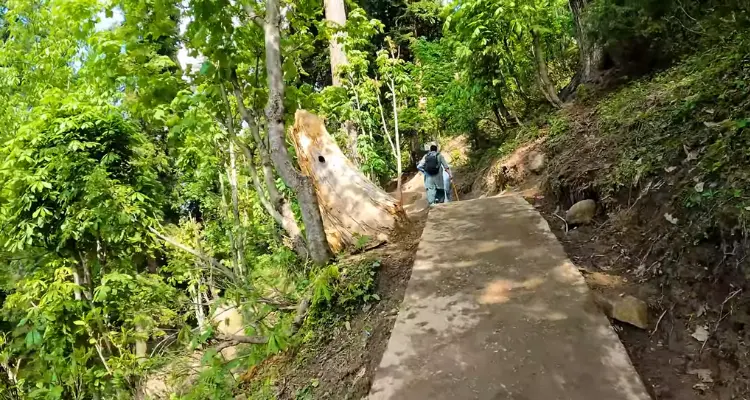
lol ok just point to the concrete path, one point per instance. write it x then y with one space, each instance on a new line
495 310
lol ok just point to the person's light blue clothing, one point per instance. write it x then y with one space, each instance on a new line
447 186
433 183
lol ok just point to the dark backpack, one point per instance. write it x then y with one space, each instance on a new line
432 164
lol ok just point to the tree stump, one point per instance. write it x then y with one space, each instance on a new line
351 205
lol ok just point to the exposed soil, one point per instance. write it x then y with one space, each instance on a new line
341 365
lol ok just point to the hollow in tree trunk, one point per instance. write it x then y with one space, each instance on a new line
352 206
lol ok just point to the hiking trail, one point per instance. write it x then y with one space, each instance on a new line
495 310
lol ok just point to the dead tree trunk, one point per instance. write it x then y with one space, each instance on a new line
352 206
302 185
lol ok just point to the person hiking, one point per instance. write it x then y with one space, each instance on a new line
432 165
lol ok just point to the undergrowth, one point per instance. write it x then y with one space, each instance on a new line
338 292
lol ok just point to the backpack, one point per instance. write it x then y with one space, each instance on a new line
432 164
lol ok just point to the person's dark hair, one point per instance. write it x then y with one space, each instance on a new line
433 148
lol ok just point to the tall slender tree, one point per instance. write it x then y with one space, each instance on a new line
336 18
315 233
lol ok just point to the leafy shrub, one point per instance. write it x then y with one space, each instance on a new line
341 289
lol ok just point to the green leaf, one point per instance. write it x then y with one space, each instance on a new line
33 338
206 68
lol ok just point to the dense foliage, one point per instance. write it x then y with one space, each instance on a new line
143 192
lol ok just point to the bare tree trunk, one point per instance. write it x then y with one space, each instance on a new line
232 178
77 280
591 54
302 185
238 245
200 315
548 88
141 345
232 241
284 215
498 117
392 86
352 206
385 128
281 212
336 17
415 149
352 136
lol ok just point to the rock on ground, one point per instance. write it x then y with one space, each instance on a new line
581 213
632 310
536 161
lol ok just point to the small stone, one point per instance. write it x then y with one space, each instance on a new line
701 333
537 161
348 325
669 217
631 310
581 213
704 374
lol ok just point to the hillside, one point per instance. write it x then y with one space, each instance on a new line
665 158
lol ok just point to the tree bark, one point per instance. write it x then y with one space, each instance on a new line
548 88
302 185
352 135
336 17
281 211
284 214
498 117
352 206
232 178
230 234
238 247
399 169
591 54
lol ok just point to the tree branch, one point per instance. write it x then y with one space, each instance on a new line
250 11
234 340
256 183
237 339
212 262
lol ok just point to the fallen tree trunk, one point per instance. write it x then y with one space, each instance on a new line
351 205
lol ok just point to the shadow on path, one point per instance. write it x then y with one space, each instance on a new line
495 310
